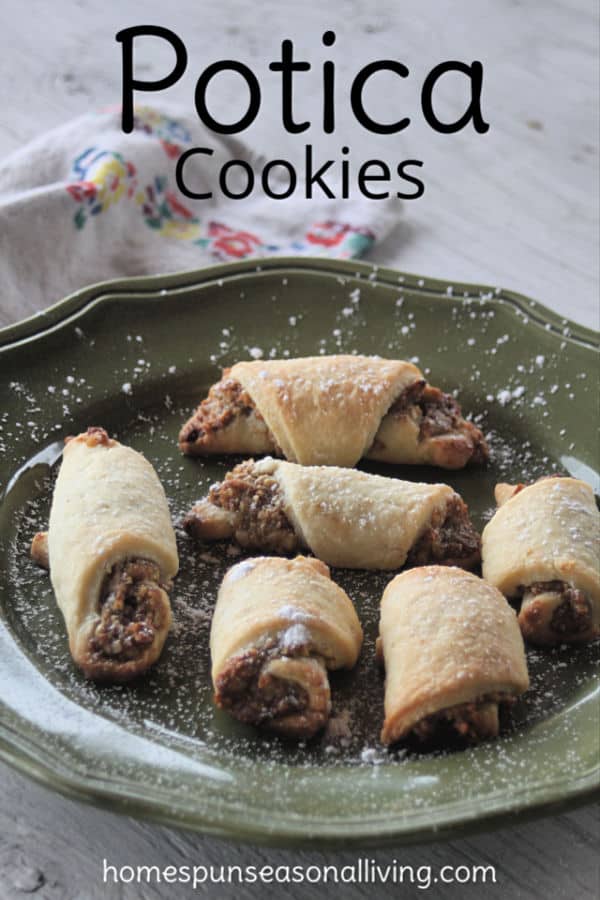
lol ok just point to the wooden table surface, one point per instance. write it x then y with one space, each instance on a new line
517 207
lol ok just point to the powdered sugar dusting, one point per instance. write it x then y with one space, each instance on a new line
478 349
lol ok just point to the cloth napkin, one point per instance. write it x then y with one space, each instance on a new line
86 202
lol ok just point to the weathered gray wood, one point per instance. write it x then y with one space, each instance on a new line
516 207
60 845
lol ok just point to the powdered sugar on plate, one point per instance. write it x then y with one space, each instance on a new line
523 408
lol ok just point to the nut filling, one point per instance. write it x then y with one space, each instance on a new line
573 615
227 400
466 722
278 687
449 540
131 609
439 414
257 503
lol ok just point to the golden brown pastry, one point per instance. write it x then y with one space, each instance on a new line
345 517
333 410
543 545
278 626
453 654
111 551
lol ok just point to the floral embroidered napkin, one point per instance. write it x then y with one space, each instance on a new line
86 203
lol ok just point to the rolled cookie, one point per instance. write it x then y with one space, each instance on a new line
543 546
345 517
279 625
453 655
333 410
111 552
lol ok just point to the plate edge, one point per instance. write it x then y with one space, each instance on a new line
53 315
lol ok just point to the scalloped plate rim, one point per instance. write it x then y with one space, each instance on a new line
35 325
23 752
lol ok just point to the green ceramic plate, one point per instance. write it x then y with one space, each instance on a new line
135 356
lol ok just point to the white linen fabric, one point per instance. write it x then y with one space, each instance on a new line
86 203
